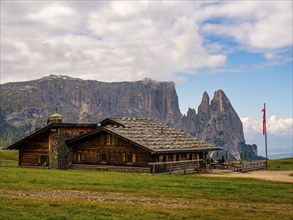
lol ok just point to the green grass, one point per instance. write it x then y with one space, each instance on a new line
281 164
209 197
8 157
51 209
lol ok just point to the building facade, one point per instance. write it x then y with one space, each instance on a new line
114 142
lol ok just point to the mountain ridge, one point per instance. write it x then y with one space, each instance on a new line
26 105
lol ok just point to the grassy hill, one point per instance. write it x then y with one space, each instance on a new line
281 164
73 194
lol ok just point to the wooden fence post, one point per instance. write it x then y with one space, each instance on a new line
184 167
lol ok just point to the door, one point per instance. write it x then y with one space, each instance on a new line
44 160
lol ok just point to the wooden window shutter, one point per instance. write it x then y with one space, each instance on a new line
133 158
124 158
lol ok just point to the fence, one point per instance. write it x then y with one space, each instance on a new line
252 165
242 166
184 166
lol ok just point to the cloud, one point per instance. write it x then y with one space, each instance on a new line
115 41
275 126
259 25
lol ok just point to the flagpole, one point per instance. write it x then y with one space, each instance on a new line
265 133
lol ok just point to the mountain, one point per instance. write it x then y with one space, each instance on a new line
27 105
216 122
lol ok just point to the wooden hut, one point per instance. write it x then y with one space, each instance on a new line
114 144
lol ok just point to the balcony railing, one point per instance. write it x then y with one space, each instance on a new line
184 166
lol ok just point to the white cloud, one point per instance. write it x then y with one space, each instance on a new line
258 25
275 126
280 126
114 41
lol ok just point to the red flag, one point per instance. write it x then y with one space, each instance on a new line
264 121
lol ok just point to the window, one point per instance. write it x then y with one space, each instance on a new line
104 158
161 158
44 160
107 139
114 140
174 157
111 139
130 158
188 156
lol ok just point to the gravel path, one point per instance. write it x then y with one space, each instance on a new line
278 176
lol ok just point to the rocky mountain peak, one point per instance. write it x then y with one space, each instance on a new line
191 111
205 101
220 101
217 123
204 108
27 105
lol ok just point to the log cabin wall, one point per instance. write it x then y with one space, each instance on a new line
35 152
60 153
109 149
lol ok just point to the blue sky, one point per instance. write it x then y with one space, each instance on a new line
241 47
247 89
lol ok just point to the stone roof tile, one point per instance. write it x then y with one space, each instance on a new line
155 135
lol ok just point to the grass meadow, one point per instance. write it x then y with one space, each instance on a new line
8 157
281 164
140 196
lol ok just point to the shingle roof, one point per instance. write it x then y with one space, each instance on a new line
154 135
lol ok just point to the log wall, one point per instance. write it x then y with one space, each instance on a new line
35 152
60 153
50 149
101 150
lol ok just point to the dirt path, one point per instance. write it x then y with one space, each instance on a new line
128 198
96 196
278 176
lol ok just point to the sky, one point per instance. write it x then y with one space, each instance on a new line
241 47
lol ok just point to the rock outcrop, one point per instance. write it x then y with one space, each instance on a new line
216 122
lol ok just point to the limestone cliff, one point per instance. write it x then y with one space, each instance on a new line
79 100
216 122
27 105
